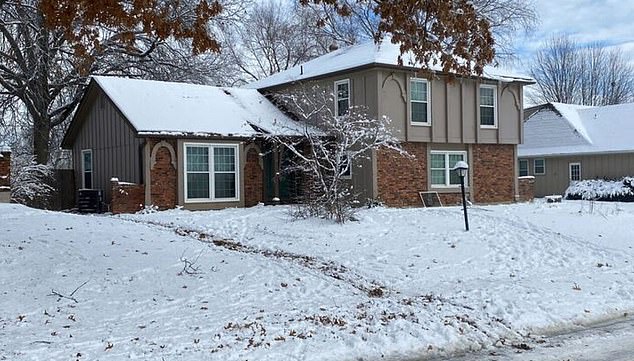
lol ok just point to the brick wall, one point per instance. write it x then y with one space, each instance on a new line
493 173
5 169
253 179
526 189
126 197
400 179
163 175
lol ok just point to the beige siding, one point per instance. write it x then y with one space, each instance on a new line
557 179
116 150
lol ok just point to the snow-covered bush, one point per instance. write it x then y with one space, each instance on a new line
602 190
329 150
31 183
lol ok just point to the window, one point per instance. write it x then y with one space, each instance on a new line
342 97
488 106
523 167
441 165
210 172
86 168
419 101
539 166
575 171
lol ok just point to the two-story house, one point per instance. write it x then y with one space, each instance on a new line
202 147
441 119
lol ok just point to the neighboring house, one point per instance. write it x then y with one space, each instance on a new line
191 145
5 173
440 118
565 143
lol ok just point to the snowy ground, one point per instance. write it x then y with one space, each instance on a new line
399 283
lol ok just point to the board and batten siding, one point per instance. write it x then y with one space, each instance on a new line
116 150
455 109
557 178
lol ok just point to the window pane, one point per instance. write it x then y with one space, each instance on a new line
539 166
343 90
419 112
438 177
224 159
419 90
438 161
197 185
87 161
455 158
225 185
487 96
487 116
88 180
197 159
342 107
523 168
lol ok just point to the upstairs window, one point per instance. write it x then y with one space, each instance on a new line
539 166
419 101
342 97
523 167
442 163
86 168
488 106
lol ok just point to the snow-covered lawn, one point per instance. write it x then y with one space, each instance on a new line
397 283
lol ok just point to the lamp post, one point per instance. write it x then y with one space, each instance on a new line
461 169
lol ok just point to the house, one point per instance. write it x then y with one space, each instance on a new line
201 147
5 173
168 144
440 118
565 143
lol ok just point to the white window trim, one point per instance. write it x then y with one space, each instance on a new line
448 170
83 169
519 168
427 102
535 168
495 106
570 165
211 173
338 82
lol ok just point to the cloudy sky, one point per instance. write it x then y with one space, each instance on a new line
610 22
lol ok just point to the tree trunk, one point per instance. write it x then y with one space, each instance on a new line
41 137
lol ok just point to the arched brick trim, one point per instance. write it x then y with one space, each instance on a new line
163 176
155 150
253 176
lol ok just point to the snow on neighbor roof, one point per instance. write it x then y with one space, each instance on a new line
367 53
156 107
564 129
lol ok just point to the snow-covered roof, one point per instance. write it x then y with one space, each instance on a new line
367 53
562 129
165 108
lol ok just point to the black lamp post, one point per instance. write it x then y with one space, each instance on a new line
461 168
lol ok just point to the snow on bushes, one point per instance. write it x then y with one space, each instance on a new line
602 190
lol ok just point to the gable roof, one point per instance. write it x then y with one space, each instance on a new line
364 55
565 129
180 109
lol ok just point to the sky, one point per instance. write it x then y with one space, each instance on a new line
610 22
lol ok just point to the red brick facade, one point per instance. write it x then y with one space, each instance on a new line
494 173
526 189
163 175
5 169
253 179
127 197
400 179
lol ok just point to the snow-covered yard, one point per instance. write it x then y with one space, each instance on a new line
397 283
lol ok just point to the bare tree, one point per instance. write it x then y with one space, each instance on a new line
591 75
330 147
